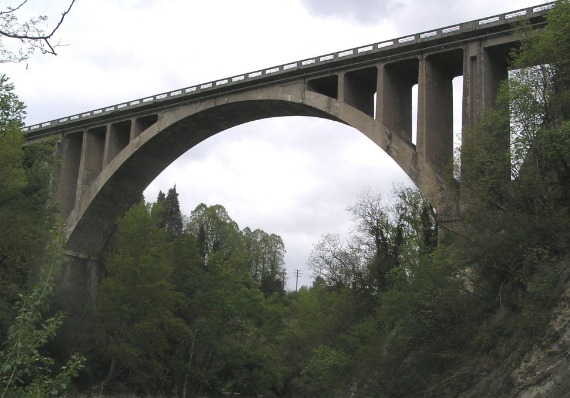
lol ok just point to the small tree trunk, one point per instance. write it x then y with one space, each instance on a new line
188 366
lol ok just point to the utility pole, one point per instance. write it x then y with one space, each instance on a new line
296 278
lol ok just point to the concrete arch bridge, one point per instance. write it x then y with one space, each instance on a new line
111 154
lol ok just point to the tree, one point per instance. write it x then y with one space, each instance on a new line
417 222
509 221
379 234
388 240
265 257
137 304
184 315
237 329
24 370
217 233
12 110
26 208
28 231
338 265
28 239
170 214
29 34
325 371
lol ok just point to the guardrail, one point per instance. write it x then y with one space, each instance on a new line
308 63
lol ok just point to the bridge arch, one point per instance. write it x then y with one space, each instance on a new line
110 154
91 221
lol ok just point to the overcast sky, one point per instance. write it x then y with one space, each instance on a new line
293 177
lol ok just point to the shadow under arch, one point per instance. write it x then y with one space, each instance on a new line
121 183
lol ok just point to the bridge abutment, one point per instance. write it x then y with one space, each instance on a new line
77 298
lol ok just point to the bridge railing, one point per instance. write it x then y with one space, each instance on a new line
309 63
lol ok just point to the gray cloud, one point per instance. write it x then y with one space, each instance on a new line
407 16
361 11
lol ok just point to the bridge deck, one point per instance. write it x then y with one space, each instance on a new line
480 28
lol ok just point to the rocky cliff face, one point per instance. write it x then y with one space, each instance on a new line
544 372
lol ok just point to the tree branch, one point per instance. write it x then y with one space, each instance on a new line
31 36
13 10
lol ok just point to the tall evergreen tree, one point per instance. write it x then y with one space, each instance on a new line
172 214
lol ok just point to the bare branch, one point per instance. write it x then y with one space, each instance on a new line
13 10
60 21
31 36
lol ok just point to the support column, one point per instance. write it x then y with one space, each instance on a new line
118 137
341 86
92 155
107 156
133 131
435 113
357 89
71 153
394 96
485 68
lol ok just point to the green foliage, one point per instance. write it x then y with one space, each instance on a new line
137 302
514 205
192 310
217 233
26 209
12 110
12 174
265 256
24 370
325 372
508 221
170 214
389 239
183 312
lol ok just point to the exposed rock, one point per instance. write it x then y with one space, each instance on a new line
544 372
